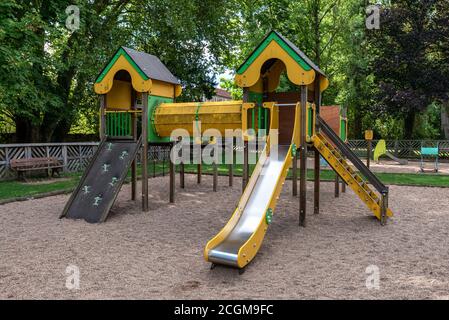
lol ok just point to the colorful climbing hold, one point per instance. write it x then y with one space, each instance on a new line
105 167
113 181
97 201
269 216
123 155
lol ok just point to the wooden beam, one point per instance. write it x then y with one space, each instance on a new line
337 186
295 175
181 175
317 168
145 152
198 173
134 163
172 179
303 158
215 179
102 116
245 172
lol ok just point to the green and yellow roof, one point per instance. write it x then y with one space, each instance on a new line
145 70
274 55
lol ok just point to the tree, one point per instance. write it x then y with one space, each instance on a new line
405 69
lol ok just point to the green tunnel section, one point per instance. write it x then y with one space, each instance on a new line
153 102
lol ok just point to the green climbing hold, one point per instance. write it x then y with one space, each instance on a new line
269 216
294 150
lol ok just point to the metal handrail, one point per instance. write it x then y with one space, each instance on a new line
343 148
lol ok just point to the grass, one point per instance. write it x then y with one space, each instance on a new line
16 189
408 179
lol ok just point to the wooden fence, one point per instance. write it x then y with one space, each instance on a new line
76 156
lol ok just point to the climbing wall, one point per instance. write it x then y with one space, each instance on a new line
102 180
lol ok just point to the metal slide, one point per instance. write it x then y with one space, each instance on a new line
240 239
102 180
398 160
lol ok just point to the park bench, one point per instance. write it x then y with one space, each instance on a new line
31 164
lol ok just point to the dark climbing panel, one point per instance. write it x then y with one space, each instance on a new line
102 181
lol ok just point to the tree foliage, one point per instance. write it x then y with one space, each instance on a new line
392 80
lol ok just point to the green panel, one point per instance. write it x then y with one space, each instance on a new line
343 129
119 53
153 102
257 98
118 124
310 122
273 37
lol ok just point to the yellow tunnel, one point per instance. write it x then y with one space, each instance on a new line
221 116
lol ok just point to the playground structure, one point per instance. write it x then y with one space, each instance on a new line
381 149
135 83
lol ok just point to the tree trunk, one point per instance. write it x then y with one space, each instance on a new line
409 124
357 123
26 132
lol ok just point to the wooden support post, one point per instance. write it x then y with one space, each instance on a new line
317 168
316 183
245 146
245 165
145 152
295 175
215 178
134 163
383 208
337 186
368 153
172 179
368 138
102 116
181 175
231 174
198 172
231 165
303 158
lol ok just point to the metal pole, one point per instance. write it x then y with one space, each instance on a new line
303 160
145 152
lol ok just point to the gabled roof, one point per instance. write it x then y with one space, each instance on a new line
299 56
147 65
151 66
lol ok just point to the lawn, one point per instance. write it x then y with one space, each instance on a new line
19 189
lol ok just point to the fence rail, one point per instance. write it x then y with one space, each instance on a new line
76 156
405 149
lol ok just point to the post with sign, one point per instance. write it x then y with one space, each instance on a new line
369 139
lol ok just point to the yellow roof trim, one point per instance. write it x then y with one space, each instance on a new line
139 84
296 74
